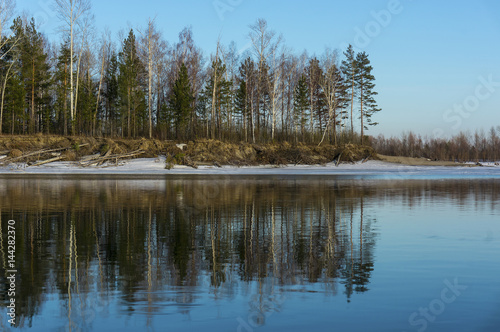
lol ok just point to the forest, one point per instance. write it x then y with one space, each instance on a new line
462 147
141 85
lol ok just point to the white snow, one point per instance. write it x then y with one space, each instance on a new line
156 166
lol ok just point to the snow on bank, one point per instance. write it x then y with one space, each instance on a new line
152 167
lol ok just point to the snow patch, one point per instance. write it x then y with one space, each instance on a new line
156 166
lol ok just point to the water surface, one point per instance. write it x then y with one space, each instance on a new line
252 254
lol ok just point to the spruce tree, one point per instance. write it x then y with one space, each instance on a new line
132 86
110 94
365 85
181 102
301 104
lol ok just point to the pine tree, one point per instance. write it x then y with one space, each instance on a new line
15 104
181 102
221 97
241 105
349 69
300 105
62 89
314 75
247 76
10 76
35 73
365 86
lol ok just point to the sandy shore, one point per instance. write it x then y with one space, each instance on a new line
420 161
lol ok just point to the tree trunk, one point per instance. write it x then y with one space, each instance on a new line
3 96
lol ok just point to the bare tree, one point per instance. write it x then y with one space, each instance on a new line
214 91
265 43
105 50
73 13
273 81
4 86
150 45
331 84
7 8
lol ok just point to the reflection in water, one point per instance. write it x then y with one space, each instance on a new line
158 247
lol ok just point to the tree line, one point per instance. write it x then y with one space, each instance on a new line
145 87
478 146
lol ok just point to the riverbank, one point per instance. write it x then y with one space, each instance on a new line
87 155
40 150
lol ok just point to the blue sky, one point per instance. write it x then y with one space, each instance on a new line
436 63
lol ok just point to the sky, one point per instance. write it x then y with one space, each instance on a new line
436 63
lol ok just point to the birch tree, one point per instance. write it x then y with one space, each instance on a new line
7 8
150 52
73 13
334 91
265 43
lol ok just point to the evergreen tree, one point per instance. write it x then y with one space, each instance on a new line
181 102
241 105
245 96
110 94
132 88
15 104
10 69
87 99
35 74
62 89
349 70
221 97
365 86
314 75
301 104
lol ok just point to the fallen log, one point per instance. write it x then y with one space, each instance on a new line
116 157
39 152
45 151
90 157
48 161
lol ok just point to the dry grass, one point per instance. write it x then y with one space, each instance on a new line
201 152
417 161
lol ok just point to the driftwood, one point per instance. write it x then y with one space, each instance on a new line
40 152
103 159
91 157
48 161
109 157
338 160
189 162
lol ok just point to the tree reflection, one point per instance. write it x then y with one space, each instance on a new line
156 242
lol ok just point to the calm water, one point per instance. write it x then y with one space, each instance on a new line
252 254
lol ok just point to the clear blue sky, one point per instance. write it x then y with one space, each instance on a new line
428 56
